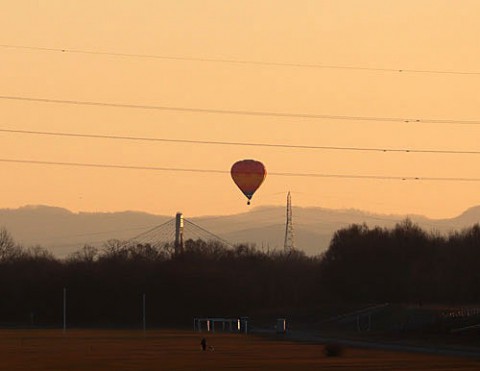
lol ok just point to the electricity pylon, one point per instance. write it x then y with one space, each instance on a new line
289 244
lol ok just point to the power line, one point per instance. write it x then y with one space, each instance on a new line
154 229
208 233
96 233
112 166
241 61
242 112
226 143
215 171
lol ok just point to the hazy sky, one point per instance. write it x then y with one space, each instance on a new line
434 35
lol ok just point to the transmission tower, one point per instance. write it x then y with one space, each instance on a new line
289 244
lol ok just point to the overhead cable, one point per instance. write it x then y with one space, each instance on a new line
227 143
241 112
208 233
241 61
217 171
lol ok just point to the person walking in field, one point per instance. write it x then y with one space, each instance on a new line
203 343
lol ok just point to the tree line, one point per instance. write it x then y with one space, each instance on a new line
105 286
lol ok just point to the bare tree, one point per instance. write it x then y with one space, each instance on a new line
87 254
8 248
39 252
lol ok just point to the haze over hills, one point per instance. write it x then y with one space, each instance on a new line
63 232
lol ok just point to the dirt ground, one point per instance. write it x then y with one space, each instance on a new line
180 350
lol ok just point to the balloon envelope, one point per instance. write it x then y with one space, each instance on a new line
248 175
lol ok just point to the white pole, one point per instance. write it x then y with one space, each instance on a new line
64 309
144 315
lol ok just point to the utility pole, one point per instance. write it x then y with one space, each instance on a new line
64 309
144 314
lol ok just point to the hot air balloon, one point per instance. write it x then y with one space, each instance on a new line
248 175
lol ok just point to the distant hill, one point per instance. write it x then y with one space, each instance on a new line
62 231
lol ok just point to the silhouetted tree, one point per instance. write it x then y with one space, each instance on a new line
362 264
8 249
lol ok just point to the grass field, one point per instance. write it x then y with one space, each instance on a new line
180 350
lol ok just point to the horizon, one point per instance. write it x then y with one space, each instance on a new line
252 208
64 232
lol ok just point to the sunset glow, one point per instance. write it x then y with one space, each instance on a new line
222 65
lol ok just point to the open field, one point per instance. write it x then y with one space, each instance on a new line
180 350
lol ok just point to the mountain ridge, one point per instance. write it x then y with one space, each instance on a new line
63 231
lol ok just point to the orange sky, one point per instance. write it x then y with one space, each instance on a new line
409 34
